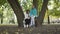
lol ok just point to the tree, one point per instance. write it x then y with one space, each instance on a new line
1 14
42 13
48 19
2 17
18 11
48 14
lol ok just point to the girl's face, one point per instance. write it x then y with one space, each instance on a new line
27 12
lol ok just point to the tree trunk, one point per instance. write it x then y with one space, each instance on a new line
2 19
48 20
18 11
42 13
48 16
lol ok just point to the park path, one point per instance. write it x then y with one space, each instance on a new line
45 29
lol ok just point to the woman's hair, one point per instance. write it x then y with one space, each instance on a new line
27 11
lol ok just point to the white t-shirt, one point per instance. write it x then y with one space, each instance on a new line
27 16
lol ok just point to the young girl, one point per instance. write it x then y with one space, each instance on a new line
27 19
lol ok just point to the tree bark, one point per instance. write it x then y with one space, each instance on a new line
18 11
48 20
2 18
42 13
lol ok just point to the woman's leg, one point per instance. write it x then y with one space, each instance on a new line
32 21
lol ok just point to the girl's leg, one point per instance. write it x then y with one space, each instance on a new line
31 22
26 26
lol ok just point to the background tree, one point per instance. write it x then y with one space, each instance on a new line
1 14
53 8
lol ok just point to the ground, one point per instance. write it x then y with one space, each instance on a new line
45 29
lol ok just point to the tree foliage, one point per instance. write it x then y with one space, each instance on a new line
55 8
2 2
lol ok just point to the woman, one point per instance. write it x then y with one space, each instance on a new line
33 14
